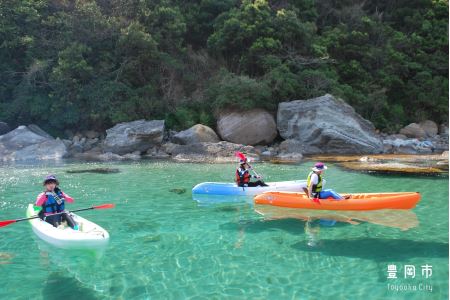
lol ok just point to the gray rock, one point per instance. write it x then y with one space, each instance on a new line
408 146
430 128
136 155
36 129
209 152
4 128
24 144
327 125
196 134
96 156
413 130
396 136
49 149
288 158
252 127
133 136
291 146
156 153
443 130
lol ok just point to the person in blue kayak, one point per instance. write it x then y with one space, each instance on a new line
52 200
316 182
243 175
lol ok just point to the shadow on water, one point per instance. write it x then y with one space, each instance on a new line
57 286
379 250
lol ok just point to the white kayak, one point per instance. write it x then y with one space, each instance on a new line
89 235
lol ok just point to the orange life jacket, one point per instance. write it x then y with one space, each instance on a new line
242 177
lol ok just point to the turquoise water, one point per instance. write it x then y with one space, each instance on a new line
164 245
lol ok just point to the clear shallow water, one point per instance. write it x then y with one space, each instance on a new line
166 246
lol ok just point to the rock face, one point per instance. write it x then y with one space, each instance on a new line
4 128
139 135
196 134
25 144
252 127
327 125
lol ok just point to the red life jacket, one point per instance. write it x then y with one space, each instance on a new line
242 178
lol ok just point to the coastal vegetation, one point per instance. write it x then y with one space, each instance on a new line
88 64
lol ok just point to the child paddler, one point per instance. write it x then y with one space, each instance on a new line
52 200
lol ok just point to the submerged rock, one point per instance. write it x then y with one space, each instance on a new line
96 170
178 190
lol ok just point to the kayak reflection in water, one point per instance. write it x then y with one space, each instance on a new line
52 201
316 182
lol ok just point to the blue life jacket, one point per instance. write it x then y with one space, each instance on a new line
53 204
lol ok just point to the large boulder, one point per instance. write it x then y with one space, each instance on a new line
413 130
430 128
25 144
139 135
4 128
196 134
251 127
327 125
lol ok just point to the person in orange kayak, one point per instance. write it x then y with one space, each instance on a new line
52 200
316 182
243 175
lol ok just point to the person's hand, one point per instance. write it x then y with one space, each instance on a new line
258 177
316 200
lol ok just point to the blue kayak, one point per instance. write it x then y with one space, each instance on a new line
224 188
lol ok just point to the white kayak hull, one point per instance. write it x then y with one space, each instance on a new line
90 234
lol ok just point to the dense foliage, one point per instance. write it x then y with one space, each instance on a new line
85 64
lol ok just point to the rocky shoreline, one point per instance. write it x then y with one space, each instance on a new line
324 126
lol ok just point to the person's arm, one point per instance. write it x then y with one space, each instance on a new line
67 197
314 180
40 199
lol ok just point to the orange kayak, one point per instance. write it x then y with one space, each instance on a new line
362 201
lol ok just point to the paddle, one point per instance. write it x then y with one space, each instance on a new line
103 206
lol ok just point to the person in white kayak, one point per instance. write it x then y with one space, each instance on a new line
243 175
316 182
52 200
